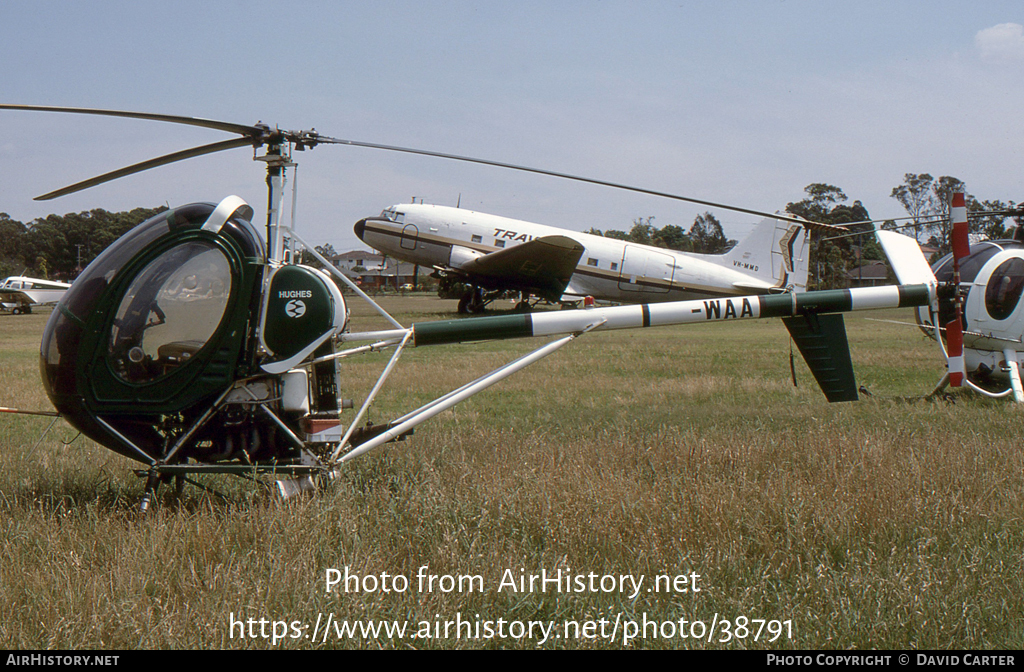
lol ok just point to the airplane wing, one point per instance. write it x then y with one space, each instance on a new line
15 296
542 266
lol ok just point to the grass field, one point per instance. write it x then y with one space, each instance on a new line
893 522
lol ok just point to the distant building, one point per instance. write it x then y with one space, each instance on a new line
374 272
357 259
392 276
870 274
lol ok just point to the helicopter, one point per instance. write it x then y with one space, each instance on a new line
194 344
976 316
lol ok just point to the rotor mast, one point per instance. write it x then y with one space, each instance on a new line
277 158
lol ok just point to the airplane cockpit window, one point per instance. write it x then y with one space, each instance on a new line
1004 289
392 215
387 213
170 311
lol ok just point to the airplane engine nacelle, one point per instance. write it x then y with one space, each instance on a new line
461 256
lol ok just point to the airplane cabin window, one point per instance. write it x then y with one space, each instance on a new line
1004 289
170 311
499 243
591 262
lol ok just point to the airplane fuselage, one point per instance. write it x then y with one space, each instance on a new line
21 293
608 269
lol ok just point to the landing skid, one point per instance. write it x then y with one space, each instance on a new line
303 477
1013 371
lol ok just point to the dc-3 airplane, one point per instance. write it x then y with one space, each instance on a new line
194 345
976 314
495 254
19 293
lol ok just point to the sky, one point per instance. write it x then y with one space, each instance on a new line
738 102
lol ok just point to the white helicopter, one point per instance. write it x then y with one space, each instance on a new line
194 345
976 314
19 293
497 254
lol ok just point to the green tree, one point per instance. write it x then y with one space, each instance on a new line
11 233
643 231
917 197
707 236
832 255
988 219
64 241
673 237
610 233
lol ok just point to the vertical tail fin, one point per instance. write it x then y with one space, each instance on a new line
776 252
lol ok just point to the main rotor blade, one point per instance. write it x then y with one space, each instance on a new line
241 129
146 165
257 135
577 178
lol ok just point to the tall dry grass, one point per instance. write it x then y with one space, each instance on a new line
890 523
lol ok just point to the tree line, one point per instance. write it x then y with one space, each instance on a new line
705 236
925 198
57 247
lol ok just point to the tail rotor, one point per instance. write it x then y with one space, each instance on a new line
954 328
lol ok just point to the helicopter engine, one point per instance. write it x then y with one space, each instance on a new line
181 342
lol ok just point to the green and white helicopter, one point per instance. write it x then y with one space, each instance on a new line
195 344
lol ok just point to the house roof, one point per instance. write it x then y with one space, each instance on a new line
357 254
875 270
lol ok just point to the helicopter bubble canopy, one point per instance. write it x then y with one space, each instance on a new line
992 285
159 324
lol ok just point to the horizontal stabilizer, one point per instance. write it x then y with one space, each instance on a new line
906 258
822 342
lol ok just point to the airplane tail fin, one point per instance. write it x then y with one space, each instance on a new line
775 252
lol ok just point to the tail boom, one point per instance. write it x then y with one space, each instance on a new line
663 314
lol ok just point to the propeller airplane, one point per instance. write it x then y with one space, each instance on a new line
195 345
497 254
19 293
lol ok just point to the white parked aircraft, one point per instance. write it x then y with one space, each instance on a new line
19 293
496 254
977 313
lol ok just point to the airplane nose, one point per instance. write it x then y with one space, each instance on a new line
359 228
